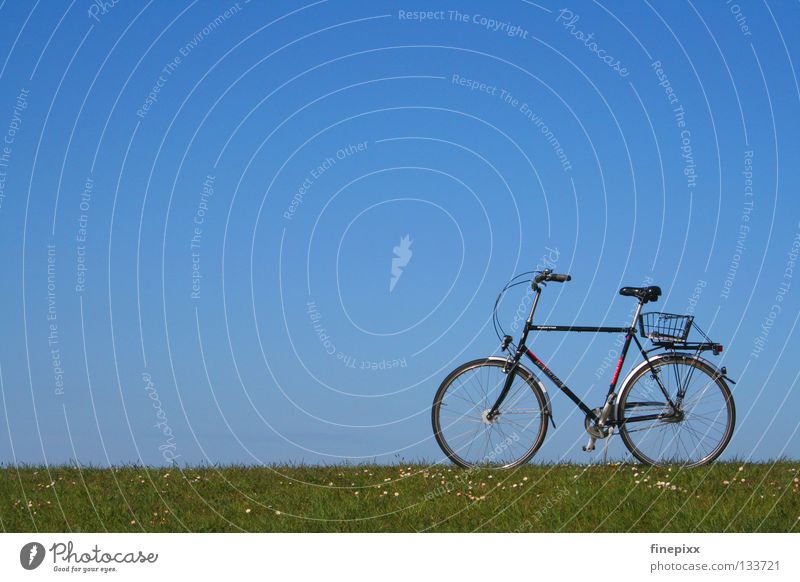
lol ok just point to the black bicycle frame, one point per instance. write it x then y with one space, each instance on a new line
558 382
522 349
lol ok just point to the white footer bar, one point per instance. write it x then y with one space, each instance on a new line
416 557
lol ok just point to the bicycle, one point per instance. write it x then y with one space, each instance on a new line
661 413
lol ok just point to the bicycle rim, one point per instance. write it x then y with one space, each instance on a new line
694 434
461 424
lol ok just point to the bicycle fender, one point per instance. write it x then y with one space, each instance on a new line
718 374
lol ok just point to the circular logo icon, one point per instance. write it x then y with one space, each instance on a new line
31 555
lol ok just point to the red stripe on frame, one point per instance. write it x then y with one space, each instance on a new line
616 374
537 360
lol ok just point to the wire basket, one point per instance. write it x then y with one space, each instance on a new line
665 327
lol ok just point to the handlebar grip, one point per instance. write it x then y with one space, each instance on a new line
560 278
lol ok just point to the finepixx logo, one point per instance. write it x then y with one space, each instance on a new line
401 258
31 555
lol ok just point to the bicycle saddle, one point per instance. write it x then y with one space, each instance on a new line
644 294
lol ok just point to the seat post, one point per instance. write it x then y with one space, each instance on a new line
636 315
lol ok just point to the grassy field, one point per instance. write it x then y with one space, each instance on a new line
367 498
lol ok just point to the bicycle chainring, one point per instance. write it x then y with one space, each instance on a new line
592 428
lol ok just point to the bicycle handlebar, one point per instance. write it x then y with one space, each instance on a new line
548 275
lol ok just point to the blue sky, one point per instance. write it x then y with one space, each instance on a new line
200 202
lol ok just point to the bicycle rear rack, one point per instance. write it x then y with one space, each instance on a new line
671 331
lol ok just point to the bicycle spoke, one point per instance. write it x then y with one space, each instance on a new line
522 411
461 417
472 440
469 437
468 393
454 395
698 429
706 422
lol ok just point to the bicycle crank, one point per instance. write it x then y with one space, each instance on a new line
595 431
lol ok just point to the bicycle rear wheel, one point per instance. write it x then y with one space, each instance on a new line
695 431
464 431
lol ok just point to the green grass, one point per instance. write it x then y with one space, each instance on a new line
406 498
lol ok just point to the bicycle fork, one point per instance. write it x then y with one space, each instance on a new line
512 362
509 370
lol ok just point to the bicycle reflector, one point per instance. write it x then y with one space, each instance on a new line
717 349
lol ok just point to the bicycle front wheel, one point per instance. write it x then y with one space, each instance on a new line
460 416
677 411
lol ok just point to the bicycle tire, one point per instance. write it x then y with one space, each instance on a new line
635 392
494 457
